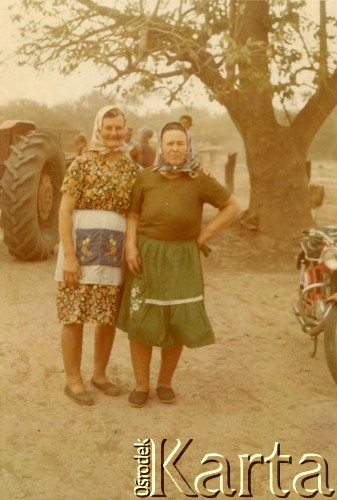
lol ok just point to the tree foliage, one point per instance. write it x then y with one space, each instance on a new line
234 48
162 44
249 55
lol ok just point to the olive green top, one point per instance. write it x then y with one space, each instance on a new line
171 209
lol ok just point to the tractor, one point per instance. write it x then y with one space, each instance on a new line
33 162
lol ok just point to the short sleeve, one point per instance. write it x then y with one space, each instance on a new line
212 191
73 179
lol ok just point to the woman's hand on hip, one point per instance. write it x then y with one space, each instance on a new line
71 270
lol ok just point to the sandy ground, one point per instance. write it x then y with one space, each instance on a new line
255 387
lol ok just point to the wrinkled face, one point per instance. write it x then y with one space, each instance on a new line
113 131
174 147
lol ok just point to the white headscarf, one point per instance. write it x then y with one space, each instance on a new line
96 143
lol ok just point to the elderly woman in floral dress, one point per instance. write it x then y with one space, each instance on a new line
96 198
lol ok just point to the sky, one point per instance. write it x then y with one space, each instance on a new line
26 83
49 87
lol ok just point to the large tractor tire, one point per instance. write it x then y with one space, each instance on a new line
30 196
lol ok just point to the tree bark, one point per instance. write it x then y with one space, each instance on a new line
279 201
229 171
276 155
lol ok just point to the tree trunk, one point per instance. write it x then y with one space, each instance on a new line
279 200
229 171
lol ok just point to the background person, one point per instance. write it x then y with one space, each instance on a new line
186 121
143 153
96 197
81 144
130 143
162 302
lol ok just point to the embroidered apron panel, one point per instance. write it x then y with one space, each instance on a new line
99 247
99 265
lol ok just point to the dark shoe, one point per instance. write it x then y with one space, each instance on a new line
166 394
107 387
82 398
137 399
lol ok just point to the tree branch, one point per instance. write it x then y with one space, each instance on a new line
323 45
312 116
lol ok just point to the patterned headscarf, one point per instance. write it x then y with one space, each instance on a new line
190 163
96 143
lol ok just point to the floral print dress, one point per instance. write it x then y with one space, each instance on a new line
97 185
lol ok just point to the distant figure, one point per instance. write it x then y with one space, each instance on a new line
81 144
186 121
143 153
130 143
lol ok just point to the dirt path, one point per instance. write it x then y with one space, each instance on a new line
255 387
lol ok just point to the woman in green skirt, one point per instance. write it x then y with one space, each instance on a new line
163 302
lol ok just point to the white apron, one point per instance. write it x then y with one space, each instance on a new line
98 237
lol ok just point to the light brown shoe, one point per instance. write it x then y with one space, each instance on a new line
81 398
107 387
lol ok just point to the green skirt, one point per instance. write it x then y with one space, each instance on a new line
164 305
